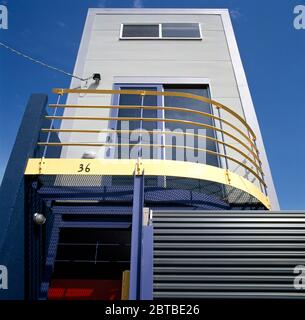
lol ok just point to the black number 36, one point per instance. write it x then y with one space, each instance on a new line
82 168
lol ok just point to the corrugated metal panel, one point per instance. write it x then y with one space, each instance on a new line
227 255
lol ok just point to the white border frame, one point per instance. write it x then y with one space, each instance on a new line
243 88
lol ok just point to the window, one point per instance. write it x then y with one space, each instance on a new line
161 31
180 30
173 138
132 151
180 102
142 31
136 100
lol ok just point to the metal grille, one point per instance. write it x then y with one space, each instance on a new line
227 255
159 190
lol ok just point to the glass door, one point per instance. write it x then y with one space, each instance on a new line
133 137
179 141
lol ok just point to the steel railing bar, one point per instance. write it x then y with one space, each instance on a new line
204 114
159 93
198 124
160 132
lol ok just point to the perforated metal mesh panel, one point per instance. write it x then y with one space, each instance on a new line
158 190
199 254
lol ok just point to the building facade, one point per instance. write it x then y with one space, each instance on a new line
191 51
148 178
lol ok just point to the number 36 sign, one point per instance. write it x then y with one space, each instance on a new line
84 167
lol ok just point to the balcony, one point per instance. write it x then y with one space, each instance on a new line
217 147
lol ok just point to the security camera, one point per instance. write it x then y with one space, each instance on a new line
97 77
39 218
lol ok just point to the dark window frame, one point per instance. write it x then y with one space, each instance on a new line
160 34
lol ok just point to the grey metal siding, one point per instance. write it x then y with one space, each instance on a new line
227 255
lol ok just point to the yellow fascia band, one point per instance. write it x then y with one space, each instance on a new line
151 168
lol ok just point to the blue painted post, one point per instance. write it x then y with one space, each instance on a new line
147 264
136 237
51 256
12 198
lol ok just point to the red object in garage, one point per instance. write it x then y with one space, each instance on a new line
85 289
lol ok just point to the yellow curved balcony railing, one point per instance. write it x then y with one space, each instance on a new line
246 154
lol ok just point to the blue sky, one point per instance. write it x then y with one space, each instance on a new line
273 54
